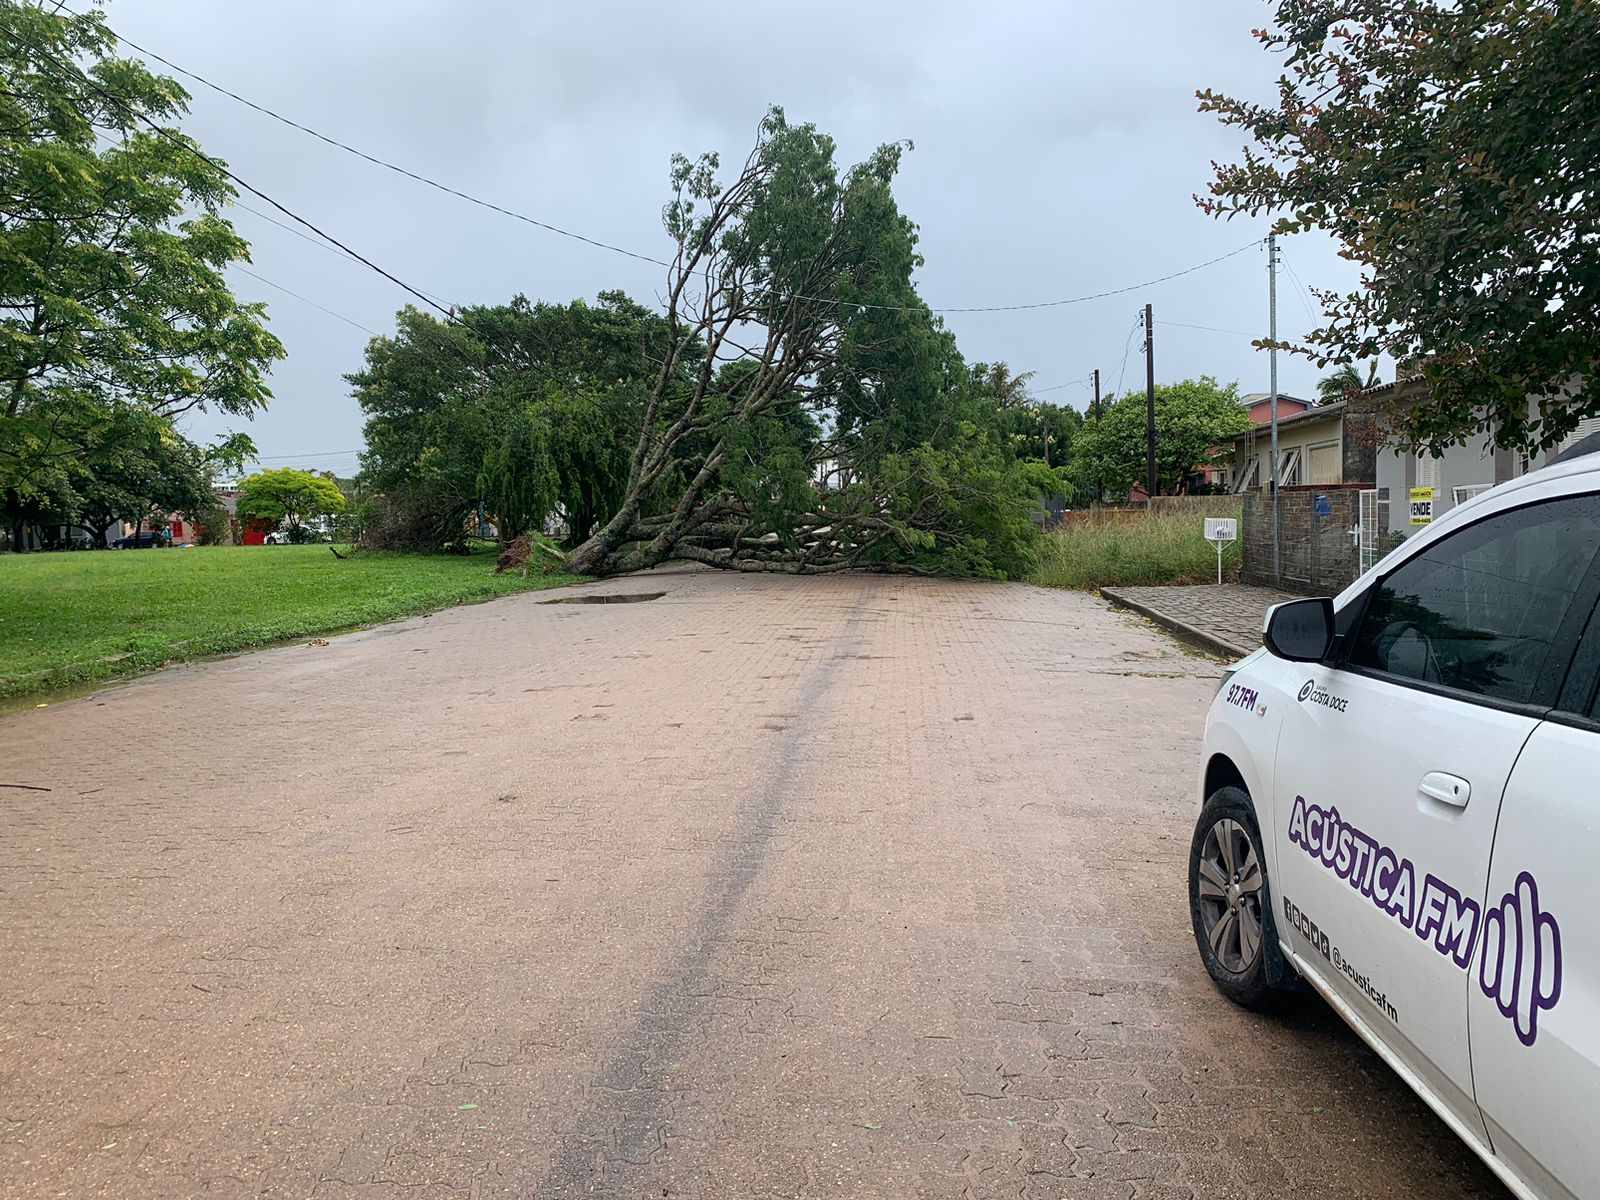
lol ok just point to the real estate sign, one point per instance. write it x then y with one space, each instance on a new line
1422 506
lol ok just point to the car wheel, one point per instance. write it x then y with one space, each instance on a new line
1230 903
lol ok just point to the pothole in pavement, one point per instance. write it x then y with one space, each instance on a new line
611 598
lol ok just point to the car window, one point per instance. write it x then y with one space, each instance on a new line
1478 610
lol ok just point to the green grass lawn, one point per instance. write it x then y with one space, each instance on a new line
1165 548
73 618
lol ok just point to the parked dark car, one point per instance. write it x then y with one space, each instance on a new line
144 540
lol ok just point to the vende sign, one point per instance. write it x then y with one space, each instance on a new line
1422 506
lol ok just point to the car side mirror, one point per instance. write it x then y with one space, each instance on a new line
1299 630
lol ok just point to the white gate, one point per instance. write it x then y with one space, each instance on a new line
1368 531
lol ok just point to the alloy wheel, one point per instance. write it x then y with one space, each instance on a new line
1229 899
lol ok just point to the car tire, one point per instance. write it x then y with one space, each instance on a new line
1230 901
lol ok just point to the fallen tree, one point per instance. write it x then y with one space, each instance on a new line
795 407
828 422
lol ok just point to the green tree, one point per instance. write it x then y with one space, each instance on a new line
287 494
139 469
112 249
528 409
1194 421
1454 149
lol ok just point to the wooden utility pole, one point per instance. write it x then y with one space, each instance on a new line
1149 404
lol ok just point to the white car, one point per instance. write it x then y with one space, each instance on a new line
1401 806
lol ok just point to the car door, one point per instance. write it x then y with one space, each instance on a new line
1534 1002
1392 764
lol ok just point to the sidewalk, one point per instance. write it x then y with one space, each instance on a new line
1225 619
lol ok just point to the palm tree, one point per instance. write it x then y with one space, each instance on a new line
1339 383
1008 390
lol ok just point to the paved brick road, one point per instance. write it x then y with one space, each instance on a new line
825 888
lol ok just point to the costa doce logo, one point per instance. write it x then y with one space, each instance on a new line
1316 695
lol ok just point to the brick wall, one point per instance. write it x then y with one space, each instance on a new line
1317 556
1198 507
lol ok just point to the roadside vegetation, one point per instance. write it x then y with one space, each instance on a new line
69 619
1130 548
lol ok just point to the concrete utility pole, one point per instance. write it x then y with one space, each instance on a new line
1272 360
1150 405
1099 486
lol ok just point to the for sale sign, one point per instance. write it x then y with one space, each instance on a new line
1421 506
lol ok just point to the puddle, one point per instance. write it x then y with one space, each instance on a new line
610 598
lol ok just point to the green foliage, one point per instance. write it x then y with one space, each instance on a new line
291 495
1131 549
114 313
1033 429
1194 420
73 618
844 429
1454 148
529 409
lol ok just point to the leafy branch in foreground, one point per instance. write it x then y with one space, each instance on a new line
1454 150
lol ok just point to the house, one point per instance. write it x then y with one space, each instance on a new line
1458 474
1318 445
1259 405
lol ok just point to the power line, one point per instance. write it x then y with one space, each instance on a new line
1127 349
1207 328
306 300
301 234
545 225
380 162
1133 287
1305 292
309 454
1056 387
188 146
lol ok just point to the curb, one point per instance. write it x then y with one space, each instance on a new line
1189 633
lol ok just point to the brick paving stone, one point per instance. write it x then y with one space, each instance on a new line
837 887
1229 614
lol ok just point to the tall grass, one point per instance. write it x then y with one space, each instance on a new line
1137 549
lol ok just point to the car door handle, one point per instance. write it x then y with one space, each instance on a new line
1446 789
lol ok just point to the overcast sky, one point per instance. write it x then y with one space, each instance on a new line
1057 151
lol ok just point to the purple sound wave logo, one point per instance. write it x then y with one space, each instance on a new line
1519 965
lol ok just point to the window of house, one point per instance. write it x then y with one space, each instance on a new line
1427 474
1585 427
1478 611
1326 463
1289 468
1248 477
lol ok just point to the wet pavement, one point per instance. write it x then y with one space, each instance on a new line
838 887
1223 618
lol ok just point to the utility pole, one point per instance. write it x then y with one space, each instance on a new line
1150 405
1099 485
1272 360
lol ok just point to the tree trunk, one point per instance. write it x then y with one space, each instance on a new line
591 557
